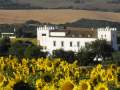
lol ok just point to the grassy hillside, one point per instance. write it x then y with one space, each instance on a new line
54 16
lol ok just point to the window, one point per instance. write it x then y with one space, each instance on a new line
70 44
54 43
105 35
101 36
78 44
43 34
62 43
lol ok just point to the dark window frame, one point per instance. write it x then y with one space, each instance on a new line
62 43
78 44
43 34
71 44
54 43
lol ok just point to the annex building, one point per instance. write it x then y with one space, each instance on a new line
52 37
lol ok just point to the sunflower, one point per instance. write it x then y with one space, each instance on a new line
117 80
10 83
99 67
113 67
103 75
118 69
93 74
52 87
2 79
110 76
101 86
85 85
66 84
39 83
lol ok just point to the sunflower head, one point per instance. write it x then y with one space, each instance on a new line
49 64
103 75
39 83
101 86
67 86
99 67
85 85
2 79
113 67
110 77
118 69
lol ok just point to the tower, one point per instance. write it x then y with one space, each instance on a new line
43 35
109 34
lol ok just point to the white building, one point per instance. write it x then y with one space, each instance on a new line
52 38
8 34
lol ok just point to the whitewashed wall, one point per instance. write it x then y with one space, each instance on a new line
67 41
103 33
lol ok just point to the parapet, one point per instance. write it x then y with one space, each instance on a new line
107 29
47 27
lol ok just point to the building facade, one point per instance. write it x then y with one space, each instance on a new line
11 34
52 38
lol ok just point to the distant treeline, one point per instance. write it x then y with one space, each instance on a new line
24 30
89 23
28 29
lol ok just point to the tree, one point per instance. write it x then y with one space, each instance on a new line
34 52
32 22
17 49
19 32
58 53
101 48
69 56
4 46
26 49
85 56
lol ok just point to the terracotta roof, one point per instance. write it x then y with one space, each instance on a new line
78 32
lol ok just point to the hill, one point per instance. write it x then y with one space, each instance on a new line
90 23
54 16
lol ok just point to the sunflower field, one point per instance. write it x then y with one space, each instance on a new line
46 74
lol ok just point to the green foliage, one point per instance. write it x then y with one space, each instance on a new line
26 31
6 28
26 49
17 49
116 57
65 55
85 57
32 40
4 46
20 48
98 48
102 48
32 52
